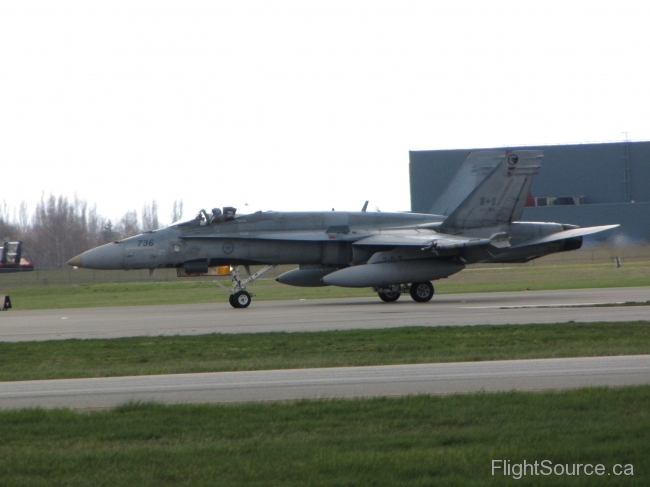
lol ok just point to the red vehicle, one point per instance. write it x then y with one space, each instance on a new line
11 260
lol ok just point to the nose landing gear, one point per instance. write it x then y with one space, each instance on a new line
239 296
240 299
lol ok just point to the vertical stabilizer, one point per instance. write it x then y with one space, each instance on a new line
500 198
471 172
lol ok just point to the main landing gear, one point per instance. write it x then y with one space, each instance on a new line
421 292
239 296
389 294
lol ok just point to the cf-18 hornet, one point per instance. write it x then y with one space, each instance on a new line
393 253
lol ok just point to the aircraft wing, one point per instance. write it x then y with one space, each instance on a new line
441 241
425 241
574 232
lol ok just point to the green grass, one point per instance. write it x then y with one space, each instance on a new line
227 352
146 293
474 279
406 441
416 440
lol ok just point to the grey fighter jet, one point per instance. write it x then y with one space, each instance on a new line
391 252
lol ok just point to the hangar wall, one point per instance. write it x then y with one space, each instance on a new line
612 179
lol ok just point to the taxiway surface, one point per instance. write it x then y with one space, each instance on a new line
270 385
579 305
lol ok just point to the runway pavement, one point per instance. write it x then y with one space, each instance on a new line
272 385
577 305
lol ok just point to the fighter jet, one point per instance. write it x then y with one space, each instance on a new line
393 253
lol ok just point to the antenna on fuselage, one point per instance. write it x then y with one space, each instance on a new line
365 206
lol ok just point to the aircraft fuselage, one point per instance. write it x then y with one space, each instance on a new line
304 238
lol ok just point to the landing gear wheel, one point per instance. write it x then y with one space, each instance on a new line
231 301
240 299
389 296
421 291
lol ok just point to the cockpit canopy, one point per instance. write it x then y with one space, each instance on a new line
216 216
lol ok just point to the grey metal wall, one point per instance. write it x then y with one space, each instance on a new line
609 176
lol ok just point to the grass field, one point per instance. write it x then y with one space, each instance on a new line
406 441
180 291
410 441
214 353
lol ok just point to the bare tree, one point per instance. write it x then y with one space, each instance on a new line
94 224
177 211
11 227
128 225
8 231
23 218
108 234
4 212
150 217
59 230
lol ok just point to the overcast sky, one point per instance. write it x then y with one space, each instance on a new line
299 105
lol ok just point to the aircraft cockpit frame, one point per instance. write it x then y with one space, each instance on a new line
216 216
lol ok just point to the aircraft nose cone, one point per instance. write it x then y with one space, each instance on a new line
75 261
109 256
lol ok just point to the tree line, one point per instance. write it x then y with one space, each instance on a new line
61 228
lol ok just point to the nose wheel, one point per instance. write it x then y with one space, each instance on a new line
240 299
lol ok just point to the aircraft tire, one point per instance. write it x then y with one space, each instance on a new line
421 292
241 299
230 300
389 297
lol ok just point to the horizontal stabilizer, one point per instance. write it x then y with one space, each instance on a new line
575 232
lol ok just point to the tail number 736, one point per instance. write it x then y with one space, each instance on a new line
145 243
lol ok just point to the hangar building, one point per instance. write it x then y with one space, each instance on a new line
582 184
